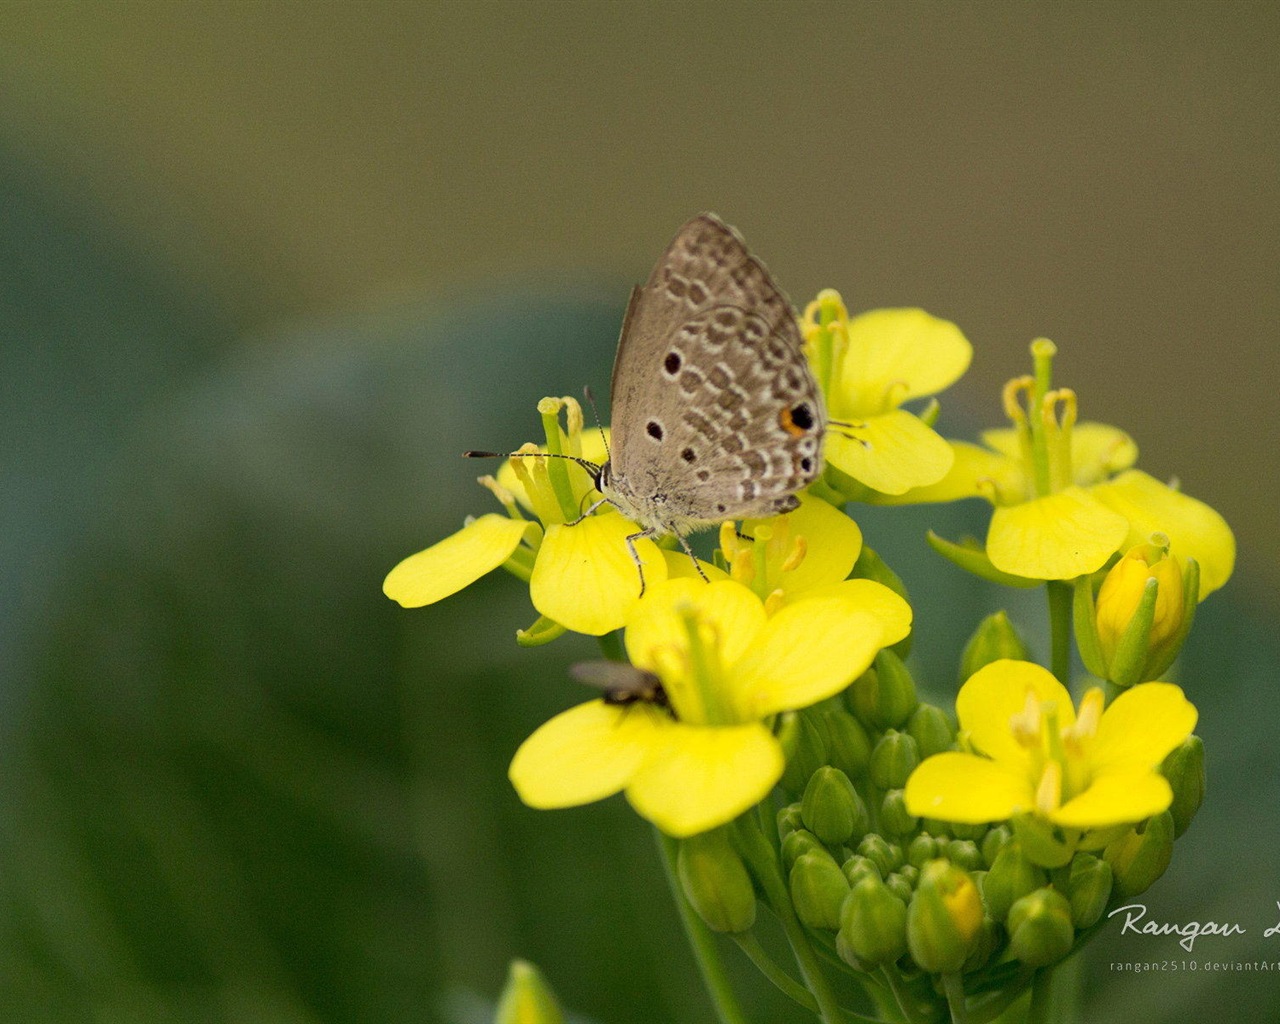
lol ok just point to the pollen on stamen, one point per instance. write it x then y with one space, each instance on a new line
1049 791
799 548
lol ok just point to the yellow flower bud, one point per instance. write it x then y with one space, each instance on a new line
1130 651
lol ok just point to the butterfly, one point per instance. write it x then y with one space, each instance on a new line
715 413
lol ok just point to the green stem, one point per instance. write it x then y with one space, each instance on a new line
763 864
953 985
701 941
750 945
901 994
1061 596
1041 1006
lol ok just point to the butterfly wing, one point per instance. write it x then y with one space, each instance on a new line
715 413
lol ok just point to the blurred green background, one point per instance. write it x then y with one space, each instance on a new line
265 269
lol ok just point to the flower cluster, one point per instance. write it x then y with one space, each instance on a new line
762 716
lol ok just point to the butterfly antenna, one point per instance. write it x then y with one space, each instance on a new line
586 464
591 401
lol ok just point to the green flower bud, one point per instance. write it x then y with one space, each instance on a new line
873 923
1040 928
1184 768
848 745
1087 888
901 886
818 889
789 820
862 697
805 750
964 853
527 998
944 918
715 882
922 849
831 808
858 867
799 842
967 830
993 842
1011 877
932 730
894 819
1043 842
995 638
886 856
910 874
896 699
893 759
1138 858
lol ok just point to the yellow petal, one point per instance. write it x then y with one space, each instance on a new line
1100 451
1115 799
584 577
961 787
877 600
455 562
992 696
1194 529
1141 726
704 776
974 472
680 566
832 544
807 652
734 614
1059 537
586 753
890 453
919 353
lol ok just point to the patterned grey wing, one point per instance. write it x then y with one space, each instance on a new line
715 412
707 264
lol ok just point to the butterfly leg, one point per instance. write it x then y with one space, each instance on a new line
635 555
592 508
694 558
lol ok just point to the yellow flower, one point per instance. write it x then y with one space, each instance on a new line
725 666
581 576
868 366
807 552
1065 494
1035 755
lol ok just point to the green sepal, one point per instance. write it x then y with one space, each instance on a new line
1172 647
932 729
804 747
994 640
818 890
1141 856
1044 843
831 808
848 745
789 820
893 759
1012 876
1086 883
972 558
964 853
896 691
1084 615
1040 928
1134 644
895 820
796 844
929 414
1184 768
716 882
885 855
543 631
873 923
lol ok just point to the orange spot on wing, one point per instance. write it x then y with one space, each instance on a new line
790 425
